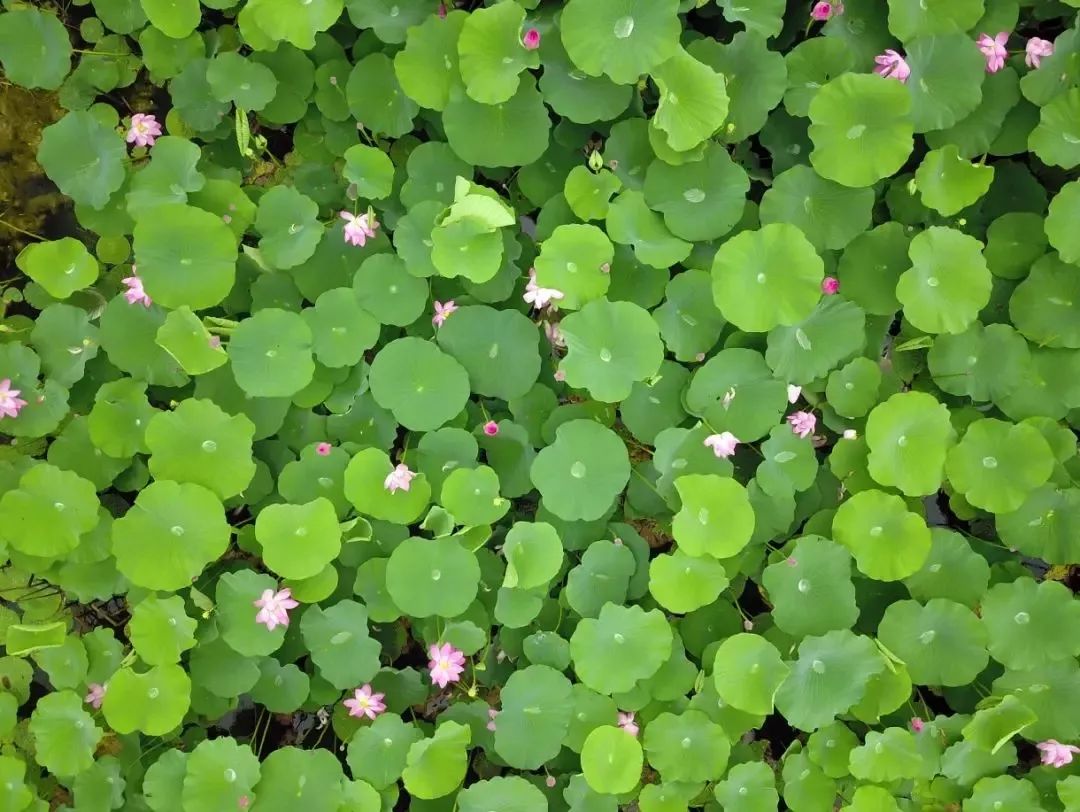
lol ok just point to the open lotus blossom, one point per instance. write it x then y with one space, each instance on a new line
826 11
537 296
10 402
365 703
1056 754
400 479
892 65
830 285
144 130
917 724
531 40
135 293
95 693
1035 50
793 393
492 713
802 423
723 444
359 228
323 449
994 50
491 428
442 312
274 608
446 664
627 723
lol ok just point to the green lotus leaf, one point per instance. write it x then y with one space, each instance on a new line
491 54
748 787
829 677
152 703
160 630
700 200
270 352
575 259
295 21
243 82
298 541
60 266
759 398
949 183
341 328
860 125
423 386
1044 526
952 570
74 451
948 283
1004 791
755 79
611 760
1030 624
384 288
748 654
169 535
622 39
888 755
174 18
831 334
376 97
64 734
909 436
994 724
118 421
236 595
942 643
81 155
1064 211
536 707
498 348
852 390
534 555
65 664
281 688
623 645
767 277
631 222
340 646
220 772
288 223
682 584
1051 692
810 66
472 496
811 590
1054 140
610 346
436 767
602 577
13 792
515 131
830 215
427 67
184 337
35 48
704 759
576 96
377 753
292 778
693 100
48 511
371 170
983 363
65 340
908 19
428 578
888 541
582 472
789 465
390 20
1044 307
765 18
997 464
690 325
366 491
946 79
504 794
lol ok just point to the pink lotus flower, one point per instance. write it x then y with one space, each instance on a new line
531 40
274 608
560 375
143 131
802 423
491 428
994 50
537 296
824 11
723 444
492 713
917 724
550 782
95 694
442 312
793 393
10 402
400 479
1035 50
323 449
359 228
442 11
830 285
365 703
446 664
627 723
1056 754
135 293
892 65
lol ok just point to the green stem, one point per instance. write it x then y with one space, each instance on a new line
21 230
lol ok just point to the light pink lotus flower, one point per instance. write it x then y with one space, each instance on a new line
492 713
917 724
143 131
793 393
554 335
627 723
830 285
95 694
531 40
359 228
215 342
802 423
274 608
823 11
365 703
1056 754
135 293
560 375
550 782
491 428
323 449
400 479
994 50
442 312
892 65
537 296
723 444
446 664
1035 50
10 402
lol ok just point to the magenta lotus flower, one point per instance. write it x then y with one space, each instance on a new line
793 393
1035 50
802 423
359 228
491 428
531 40
1056 754
365 703
917 724
830 285
323 449
400 479
627 723
10 402
135 293
143 131
274 608
442 11
892 65
993 48
95 693
825 11
442 312
537 296
446 664
723 444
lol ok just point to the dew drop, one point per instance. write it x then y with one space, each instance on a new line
989 462
1022 618
818 666
230 775
761 278
927 637
209 446
176 530
325 481
577 470
694 195
436 575
619 638
605 355
856 131
301 532
932 281
624 27
59 507
153 693
901 440
876 530
686 743
804 585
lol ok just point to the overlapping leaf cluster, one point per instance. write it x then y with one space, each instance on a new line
729 220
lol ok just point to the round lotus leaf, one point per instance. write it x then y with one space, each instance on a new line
693 100
767 277
427 67
656 404
611 760
952 570
184 337
997 464
830 215
1054 139
852 390
810 65
620 39
829 677
504 794
160 629
174 18
811 590
610 346
342 330
376 97
81 155
1045 306
169 535
631 222
1064 211
682 584
1045 525
291 778
759 399
700 200
687 747
240 81
340 646
534 555
889 755
423 386
515 131
235 596
983 363
65 340
716 518
909 19
436 767
377 753
1003 792
832 333
582 472
365 489
64 733
60 266
387 291
576 96
946 80
152 703
888 541
622 646
270 352
47 513
948 283
298 541
749 787
949 183
871 265
35 48
281 688
432 577
220 774
942 643
1031 624
472 496
860 126
288 223
537 703
756 78
603 576
498 348
909 436
575 259
490 54
747 671
74 451
390 21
